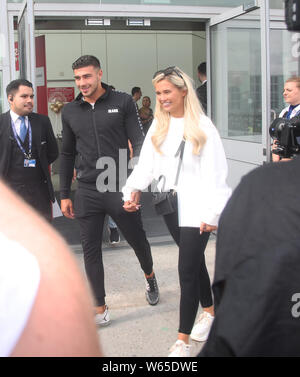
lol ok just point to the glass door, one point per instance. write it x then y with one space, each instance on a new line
284 62
236 88
26 41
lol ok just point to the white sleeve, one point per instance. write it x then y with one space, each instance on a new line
143 172
213 175
286 109
19 282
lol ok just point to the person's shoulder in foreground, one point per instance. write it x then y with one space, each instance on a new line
257 266
58 317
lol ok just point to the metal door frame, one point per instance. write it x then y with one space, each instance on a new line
265 63
27 13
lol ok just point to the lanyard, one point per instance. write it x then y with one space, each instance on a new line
27 155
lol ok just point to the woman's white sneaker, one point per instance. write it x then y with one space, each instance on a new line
180 349
103 318
202 327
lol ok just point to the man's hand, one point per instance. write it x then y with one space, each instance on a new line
66 207
275 157
207 228
133 205
74 176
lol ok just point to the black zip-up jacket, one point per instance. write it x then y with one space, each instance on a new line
98 132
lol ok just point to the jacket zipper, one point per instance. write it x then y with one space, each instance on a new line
95 129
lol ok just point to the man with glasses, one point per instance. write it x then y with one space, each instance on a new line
96 129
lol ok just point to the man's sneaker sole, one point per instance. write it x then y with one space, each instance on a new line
152 302
152 291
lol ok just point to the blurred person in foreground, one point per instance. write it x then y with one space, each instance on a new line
257 282
45 304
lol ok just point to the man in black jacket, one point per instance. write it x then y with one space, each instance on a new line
27 148
96 128
257 282
202 89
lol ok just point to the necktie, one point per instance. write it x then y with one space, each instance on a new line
23 129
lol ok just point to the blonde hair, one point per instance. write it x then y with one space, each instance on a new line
295 79
192 111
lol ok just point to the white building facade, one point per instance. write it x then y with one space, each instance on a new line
247 47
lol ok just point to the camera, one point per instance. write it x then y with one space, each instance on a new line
286 132
292 15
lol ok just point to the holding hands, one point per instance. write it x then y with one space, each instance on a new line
207 228
133 205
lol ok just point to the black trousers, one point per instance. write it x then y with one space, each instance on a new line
193 276
35 194
91 207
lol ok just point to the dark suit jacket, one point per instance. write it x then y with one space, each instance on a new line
42 136
202 95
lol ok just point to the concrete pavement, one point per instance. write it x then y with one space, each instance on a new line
138 329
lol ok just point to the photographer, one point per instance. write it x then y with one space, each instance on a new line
291 94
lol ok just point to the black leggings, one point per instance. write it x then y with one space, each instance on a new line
193 276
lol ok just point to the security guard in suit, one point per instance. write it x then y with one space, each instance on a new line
27 148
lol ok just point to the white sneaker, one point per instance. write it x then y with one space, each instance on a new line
103 318
180 349
202 327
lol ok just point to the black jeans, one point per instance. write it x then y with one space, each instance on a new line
36 194
193 276
91 207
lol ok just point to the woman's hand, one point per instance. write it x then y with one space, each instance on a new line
207 228
133 205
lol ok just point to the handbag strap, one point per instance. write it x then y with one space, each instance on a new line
180 153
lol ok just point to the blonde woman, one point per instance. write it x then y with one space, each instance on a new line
202 191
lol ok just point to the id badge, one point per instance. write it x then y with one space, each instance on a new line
29 163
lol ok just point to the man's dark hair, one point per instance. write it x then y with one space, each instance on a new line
202 68
135 89
85 61
14 85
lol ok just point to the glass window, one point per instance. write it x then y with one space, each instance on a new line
284 63
203 3
2 47
236 79
276 4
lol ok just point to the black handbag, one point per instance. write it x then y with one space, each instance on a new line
165 202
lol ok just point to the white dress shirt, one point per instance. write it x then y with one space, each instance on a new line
293 113
202 189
